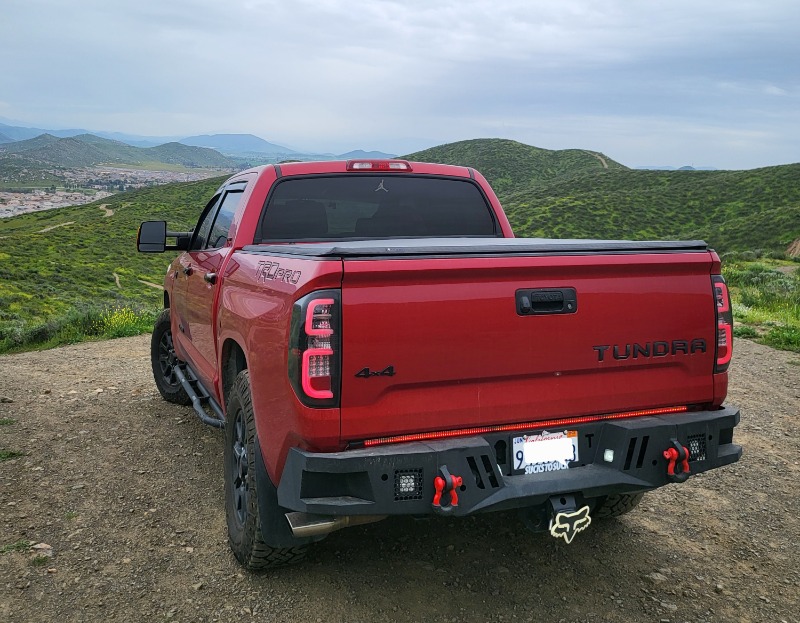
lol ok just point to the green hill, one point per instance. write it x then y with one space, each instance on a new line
57 261
87 150
570 194
510 166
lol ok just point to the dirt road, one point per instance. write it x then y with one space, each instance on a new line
127 491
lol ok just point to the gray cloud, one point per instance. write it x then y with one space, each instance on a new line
647 82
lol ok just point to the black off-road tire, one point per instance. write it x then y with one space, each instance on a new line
163 360
616 505
241 490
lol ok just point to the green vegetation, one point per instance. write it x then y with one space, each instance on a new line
19 546
7 455
59 285
7 421
766 301
511 166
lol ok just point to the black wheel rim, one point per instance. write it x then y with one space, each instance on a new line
166 360
240 467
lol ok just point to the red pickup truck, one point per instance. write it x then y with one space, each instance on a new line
375 341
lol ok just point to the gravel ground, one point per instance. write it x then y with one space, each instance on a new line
126 491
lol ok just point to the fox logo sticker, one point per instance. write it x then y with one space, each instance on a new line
567 525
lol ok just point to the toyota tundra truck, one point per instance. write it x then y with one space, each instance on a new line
375 341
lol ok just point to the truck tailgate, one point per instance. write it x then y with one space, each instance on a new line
438 342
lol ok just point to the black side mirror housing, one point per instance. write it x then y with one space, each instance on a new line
152 238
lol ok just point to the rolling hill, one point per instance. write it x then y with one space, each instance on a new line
570 194
56 261
510 166
89 150
60 260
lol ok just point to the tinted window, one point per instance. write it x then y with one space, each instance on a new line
204 226
222 224
371 206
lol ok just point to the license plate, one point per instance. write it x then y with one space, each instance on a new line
545 452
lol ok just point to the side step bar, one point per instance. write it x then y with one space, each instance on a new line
200 397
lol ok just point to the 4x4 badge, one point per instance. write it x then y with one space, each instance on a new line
567 525
366 373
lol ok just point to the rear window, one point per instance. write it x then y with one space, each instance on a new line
369 206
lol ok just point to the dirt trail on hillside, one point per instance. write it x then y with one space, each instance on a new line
127 490
108 211
52 227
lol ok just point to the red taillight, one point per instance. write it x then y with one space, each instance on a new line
378 165
313 349
317 370
722 300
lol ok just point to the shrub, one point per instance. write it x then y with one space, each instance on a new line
744 331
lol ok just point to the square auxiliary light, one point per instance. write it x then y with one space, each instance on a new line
408 484
608 456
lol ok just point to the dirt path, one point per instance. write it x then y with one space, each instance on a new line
108 211
127 490
151 284
600 158
52 227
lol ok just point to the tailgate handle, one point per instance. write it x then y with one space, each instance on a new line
539 301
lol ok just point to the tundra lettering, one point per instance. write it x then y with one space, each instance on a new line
471 404
652 349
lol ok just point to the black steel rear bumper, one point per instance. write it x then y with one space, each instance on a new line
366 481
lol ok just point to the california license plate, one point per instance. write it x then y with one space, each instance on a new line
545 452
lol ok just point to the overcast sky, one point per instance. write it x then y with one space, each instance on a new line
679 82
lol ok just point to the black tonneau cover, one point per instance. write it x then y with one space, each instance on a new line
475 246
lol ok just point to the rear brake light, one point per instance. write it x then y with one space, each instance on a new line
314 349
724 346
378 165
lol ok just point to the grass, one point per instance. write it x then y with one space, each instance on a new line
766 301
7 421
7 455
80 326
58 287
18 546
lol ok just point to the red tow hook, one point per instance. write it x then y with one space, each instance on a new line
677 456
444 482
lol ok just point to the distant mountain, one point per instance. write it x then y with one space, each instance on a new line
5 139
360 153
19 133
87 150
236 144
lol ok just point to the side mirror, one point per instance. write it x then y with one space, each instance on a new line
152 238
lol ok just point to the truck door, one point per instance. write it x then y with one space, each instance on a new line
202 270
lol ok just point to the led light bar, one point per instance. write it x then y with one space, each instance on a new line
499 428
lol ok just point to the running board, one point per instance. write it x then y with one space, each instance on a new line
200 397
